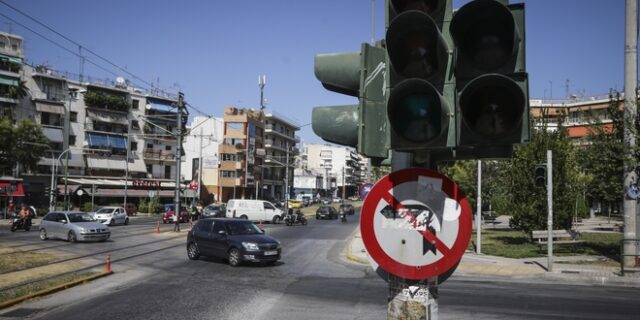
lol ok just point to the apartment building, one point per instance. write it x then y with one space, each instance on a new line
241 155
280 143
576 114
201 165
341 168
109 141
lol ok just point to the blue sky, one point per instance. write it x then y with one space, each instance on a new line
213 51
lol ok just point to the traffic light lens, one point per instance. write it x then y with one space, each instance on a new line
415 111
490 48
416 47
492 105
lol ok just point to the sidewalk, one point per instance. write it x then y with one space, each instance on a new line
570 270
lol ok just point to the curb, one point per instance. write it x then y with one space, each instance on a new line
349 254
57 288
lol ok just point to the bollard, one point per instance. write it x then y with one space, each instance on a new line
158 227
107 268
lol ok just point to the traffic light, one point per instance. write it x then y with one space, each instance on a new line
363 125
540 175
47 191
492 107
421 99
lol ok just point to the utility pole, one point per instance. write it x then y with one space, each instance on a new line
344 186
479 211
176 200
550 211
286 180
630 118
126 164
199 170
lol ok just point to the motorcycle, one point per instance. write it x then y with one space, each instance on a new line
343 216
291 219
19 223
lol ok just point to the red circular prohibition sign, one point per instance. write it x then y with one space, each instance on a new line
380 192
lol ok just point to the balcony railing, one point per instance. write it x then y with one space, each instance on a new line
160 155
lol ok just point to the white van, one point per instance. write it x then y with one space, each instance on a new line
254 210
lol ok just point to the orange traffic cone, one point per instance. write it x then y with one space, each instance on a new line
158 227
107 268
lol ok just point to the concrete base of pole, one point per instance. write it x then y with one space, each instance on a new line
412 299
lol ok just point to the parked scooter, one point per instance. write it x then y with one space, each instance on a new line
18 223
294 218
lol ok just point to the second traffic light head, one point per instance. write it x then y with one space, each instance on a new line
540 175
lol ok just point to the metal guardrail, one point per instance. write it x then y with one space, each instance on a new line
622 255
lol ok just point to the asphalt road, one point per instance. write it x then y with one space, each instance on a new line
314 281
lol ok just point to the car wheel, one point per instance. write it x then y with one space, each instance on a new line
14 227
43 234
192 251
244 217
234 257
126 221
275 220
72 237
304 221
112 221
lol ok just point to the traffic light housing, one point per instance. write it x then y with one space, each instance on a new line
421 84
363 125
47 191
492 103
540 175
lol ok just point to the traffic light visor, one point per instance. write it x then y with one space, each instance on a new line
415 46
492 105
427 6
485 34
416 111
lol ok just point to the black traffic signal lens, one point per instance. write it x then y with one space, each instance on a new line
415 46
492 105
485 34
540 176
415 111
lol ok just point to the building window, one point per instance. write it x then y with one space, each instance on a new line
72 140
73 116
235 125
149 145
229 157
134 146
167 172
135 105
228 174
149 168
135 125
168 148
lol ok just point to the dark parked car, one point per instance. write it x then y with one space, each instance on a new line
348 208
237 240
326 212
214 211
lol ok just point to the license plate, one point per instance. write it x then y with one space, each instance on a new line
270 253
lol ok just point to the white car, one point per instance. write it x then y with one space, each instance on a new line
111 215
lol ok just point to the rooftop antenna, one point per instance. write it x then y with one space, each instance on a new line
262 81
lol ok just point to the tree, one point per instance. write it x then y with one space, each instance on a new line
526 202
23 144
465 174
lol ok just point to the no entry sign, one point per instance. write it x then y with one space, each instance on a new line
416 223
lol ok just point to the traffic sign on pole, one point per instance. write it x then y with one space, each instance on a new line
416 223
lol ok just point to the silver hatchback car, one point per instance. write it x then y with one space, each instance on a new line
73 226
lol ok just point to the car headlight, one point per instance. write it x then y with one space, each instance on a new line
250 246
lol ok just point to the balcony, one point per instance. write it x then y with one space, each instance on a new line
230 182
271 129
159 155
228 149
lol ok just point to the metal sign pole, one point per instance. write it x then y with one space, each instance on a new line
410 299
550 212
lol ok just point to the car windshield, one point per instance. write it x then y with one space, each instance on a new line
238 228
105 210
80 217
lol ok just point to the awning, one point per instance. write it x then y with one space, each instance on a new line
50 108
10 58
106 163
132 193
8 81
54 135
11 189
107 117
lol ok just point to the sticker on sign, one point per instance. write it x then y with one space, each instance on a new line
416 223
